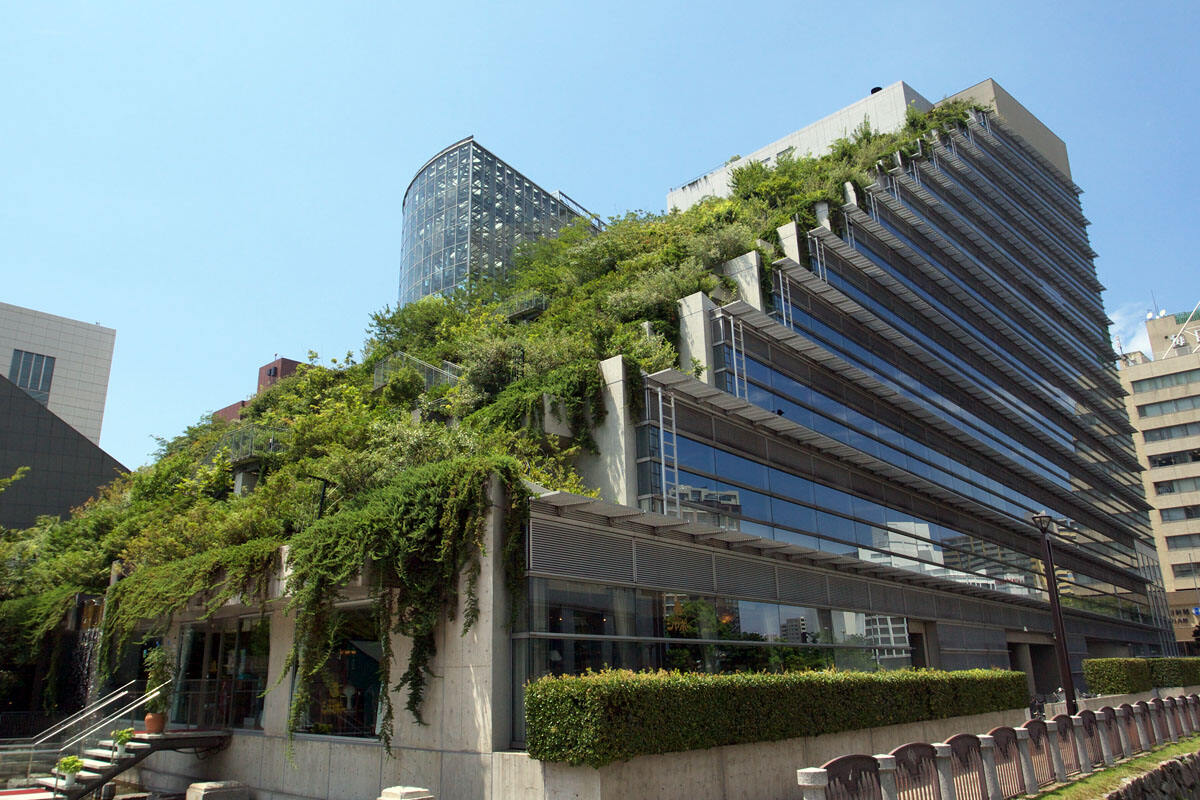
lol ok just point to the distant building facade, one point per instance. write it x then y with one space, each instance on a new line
61 363
885 111
1164 404
464 212
268 375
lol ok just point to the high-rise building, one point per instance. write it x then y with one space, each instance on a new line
928 368
62 363
1164 404
52 401
464 212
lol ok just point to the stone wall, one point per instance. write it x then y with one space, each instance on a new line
1179 777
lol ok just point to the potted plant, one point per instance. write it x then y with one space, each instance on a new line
69 767
160 669
120 738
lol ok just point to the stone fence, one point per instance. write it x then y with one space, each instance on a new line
1006 762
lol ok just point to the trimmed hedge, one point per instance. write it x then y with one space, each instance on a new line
1117 675
1174 671
615 715
1130 675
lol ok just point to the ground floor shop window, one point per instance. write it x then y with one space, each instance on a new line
223 673
569 627
344 697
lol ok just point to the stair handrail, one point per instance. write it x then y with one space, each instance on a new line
115 694
108 699
147 697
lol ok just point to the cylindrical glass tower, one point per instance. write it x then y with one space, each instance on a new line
463 214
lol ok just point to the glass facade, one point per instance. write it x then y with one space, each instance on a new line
948 338
464 212
223 673
570 627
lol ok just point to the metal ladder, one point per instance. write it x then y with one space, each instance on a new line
784 289
668 451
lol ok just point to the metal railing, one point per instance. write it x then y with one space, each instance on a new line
217 704
447 374
19 757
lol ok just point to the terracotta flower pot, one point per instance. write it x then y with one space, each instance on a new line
155 723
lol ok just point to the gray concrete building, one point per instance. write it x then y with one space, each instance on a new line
1163 400
885 111
62 363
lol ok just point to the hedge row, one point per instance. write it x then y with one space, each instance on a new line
1130 675
615 715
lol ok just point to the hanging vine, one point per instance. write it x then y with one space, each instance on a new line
156 594
419 535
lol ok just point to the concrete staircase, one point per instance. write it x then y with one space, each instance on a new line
101 763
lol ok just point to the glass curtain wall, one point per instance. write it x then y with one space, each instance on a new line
464 213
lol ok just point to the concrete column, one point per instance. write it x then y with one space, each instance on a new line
1184 713
695 336
888 787
1156 723
1169 715
945 771
821 209
1025 664
744 271
1031 785
1085 761
791 240
1140 722
1193 712
987 749
813 782
1056 759
1123 731
1105 744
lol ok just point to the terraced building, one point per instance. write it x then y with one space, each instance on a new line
875 419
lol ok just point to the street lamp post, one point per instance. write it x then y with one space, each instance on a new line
1044 522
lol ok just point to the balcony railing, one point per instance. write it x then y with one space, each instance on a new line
445 375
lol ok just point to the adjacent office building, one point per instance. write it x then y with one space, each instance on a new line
464 212
1164 404
62 363
51 411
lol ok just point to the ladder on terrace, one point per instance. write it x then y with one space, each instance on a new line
668 451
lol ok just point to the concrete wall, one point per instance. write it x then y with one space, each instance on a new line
736 772
1019 118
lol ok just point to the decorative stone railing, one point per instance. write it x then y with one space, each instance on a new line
1005 762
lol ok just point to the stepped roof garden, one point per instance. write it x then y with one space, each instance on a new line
405 488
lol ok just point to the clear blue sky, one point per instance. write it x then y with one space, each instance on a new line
221 182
